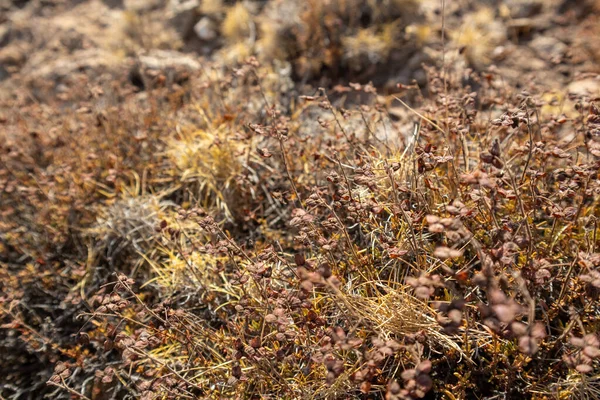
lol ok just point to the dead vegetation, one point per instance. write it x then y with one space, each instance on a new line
222 229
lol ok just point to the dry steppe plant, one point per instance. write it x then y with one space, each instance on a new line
226 232
355 265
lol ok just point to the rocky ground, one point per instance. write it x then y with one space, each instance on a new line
45 44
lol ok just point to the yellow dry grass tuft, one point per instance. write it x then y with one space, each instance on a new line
369 46
478 36
238 24
206 163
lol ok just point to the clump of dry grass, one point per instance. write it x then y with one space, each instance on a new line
208 165
479 36
368 48
237 24
127 224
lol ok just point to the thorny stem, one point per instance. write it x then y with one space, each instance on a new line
70 390
280 139
345 231
188 262
523 213
345 178
566 283
164 321
289 175
167 366
405 216
455 189
339 124
530 154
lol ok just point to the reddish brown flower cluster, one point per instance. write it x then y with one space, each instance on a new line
587 350
416 383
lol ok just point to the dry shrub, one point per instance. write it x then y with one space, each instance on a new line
251 242
406 258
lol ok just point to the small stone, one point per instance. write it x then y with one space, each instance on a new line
114 3
13 56
585 87
205 29
182 14
168 59
4 34
141 6
524 8
548 47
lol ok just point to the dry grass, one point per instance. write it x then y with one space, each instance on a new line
235 234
